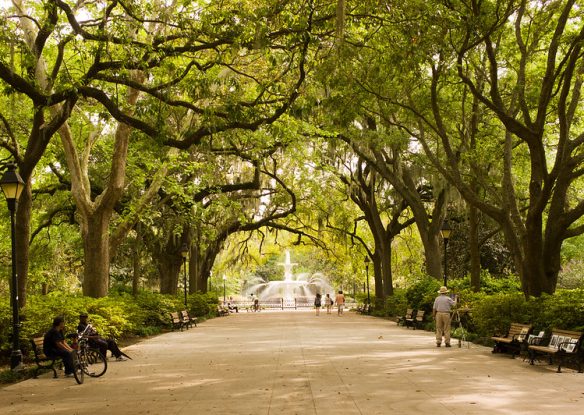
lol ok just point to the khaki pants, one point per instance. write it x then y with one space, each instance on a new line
442 327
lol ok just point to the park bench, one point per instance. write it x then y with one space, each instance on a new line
187 320
176 321
563 347
222 311
401 321
364 309
417 320
41 360
513 341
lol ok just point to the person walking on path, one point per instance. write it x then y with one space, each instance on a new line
317 303
329 303
340 300
441 313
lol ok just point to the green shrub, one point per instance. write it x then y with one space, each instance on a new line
203 305
152 309
421 295
395 305
360 298
564 310
493 314
10 376
489 284
117 315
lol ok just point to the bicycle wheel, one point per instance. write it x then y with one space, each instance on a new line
93 363
78 369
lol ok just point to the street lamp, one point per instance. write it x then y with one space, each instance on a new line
12 185
445 231
367 261
224 279
184 251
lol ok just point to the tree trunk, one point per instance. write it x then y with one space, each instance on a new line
136 266
475 259
169 269
21 238
534 279
432 254
387 276
95 213
95 233
377 277
136 274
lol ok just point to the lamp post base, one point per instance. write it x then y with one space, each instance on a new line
16 361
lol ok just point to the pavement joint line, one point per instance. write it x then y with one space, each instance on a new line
306 369
279 353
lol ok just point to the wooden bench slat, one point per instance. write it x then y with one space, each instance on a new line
559 351
176 321
187 319
409 315
417 320
41 360
222 311
513 340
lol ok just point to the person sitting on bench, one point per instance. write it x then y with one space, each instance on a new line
98 342
54 345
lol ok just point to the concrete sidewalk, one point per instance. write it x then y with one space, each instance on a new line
297 363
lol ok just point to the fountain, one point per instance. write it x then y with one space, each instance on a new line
302 286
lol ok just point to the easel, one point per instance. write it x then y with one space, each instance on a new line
456 319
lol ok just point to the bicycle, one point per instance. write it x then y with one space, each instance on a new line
78 372
91 361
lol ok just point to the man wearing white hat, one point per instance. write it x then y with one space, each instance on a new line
441 313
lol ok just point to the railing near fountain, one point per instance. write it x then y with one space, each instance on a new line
283 304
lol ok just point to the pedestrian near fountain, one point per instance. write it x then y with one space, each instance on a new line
328 301
317 303
441 313
340 300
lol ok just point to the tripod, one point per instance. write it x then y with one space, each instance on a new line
455 319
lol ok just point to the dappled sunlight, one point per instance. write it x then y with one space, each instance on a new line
296 363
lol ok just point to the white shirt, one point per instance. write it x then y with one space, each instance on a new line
443 303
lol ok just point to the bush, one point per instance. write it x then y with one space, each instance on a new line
203 305
564 310
493 314
395 305
489 284
421 295
118 315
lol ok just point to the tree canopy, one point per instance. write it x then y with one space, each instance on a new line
353 129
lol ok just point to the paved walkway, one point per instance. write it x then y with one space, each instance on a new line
297 363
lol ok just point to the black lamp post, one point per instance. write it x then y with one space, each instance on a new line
445 231
367 261
184 251
224 279
12 185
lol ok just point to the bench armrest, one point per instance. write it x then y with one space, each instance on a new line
534 340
